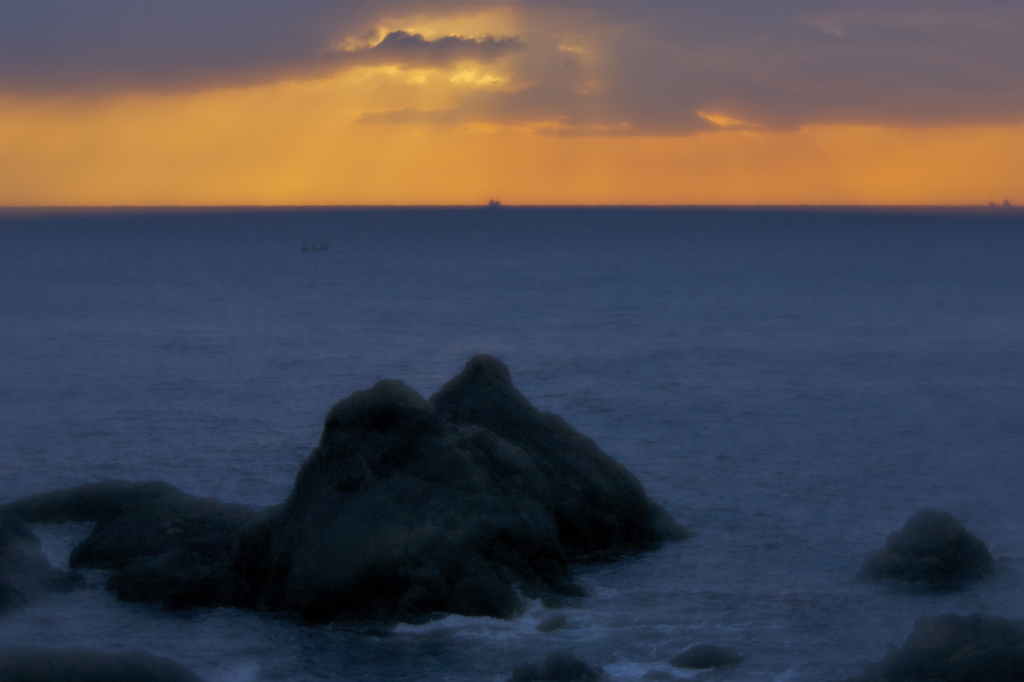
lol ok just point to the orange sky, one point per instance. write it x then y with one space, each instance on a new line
328 138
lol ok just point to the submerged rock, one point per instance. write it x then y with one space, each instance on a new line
25 572
561 666
706 656
954 648
36 664
931 549
660 676
553 622
406 508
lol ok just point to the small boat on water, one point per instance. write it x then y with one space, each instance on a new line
493 203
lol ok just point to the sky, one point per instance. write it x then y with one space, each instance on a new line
698 102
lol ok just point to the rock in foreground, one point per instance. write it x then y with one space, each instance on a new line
954 648
931 549
405 509
36 664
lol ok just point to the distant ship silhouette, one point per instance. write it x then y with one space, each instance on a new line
493 203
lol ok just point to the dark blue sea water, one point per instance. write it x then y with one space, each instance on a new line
791 384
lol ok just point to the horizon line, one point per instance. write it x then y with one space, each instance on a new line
990 206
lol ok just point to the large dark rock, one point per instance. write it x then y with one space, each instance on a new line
954 648
25 572
931 549
409 507
166 546
561 666
37 664
597 505
706 656
405 509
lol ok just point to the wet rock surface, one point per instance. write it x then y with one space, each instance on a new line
931 549
406 508
37 664
955 648
25 572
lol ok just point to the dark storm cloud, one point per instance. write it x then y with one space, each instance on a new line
413 50
88 47
102 47
647 67
771 65
905 63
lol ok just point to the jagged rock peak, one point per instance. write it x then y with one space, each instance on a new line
387 406
481 394
484 367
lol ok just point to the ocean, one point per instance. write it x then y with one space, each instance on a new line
791 384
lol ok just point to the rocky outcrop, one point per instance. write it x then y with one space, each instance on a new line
25 572
165 546
931 549
954 648
406 508
706 656
597 505
561 666
409 507
35 664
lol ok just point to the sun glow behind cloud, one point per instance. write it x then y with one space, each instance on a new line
532 106
298 144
